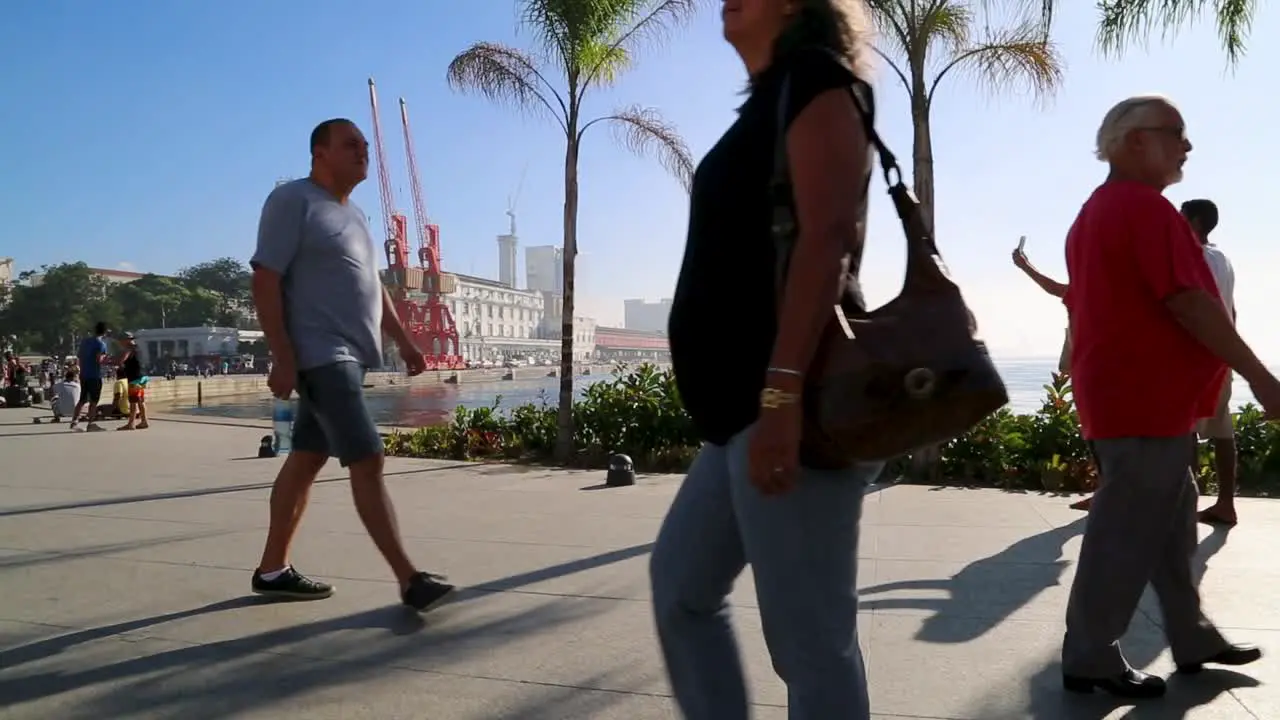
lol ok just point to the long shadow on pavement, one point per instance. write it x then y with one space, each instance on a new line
192 492
986 584
1048 701
32 558
218 679
990 586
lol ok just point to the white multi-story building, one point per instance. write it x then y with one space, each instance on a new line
647 316
497 322
544 268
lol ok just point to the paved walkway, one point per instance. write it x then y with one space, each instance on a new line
125 560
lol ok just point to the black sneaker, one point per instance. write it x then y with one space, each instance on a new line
292 585
425 591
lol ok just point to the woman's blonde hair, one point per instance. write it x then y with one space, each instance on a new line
842 26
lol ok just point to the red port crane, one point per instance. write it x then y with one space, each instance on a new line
435 282
416 292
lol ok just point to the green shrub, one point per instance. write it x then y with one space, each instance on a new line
637 412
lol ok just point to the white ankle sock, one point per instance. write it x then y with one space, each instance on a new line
269 576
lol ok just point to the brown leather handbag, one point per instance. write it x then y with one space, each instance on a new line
903 376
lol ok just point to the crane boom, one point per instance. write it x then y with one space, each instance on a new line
395 242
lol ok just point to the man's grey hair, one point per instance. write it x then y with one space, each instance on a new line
1127 116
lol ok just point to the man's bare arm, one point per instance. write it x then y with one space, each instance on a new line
1046 283
268 298
391 325
1206 319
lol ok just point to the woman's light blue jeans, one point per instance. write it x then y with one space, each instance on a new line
803 550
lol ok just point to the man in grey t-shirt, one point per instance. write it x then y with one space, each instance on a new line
323 311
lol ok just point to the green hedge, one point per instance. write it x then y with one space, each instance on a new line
637 412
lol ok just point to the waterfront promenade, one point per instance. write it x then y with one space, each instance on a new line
125 560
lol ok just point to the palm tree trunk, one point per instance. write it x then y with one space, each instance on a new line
924 462
564 415
922 156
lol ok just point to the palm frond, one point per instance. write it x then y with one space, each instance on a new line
897 71
948 24
637 24
1018 58
644 132
506 75
1124 22
1040 12
551 26
895 25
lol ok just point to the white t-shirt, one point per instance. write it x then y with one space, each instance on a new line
67 394
1223 275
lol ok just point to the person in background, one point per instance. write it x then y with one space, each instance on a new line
93 351
748 498
136 382
1058 290
1151 347
324 312
1219 429
9 368
66 395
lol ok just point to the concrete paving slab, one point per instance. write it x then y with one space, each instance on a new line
125 561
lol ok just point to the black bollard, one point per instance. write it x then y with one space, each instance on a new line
622 471
267 448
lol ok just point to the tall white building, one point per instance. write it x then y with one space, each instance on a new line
544 268
507 260
647 316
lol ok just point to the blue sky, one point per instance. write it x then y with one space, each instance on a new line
146 135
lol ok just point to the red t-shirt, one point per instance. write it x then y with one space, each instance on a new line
1135 371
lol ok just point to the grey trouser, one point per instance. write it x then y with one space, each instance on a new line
803 549
1141 528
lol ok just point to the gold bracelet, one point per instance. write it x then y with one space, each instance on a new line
772 398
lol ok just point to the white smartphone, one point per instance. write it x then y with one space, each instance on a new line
1022 241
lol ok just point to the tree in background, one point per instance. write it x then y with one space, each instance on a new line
586 45
52 315
226 276
925 41
155 301
1127 21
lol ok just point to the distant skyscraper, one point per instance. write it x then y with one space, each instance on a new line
647 316
507 260
544 269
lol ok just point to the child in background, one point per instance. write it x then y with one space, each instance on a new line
66 395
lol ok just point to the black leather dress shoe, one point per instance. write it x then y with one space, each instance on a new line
1128 684
1233 655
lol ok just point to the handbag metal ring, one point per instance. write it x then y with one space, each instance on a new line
920 383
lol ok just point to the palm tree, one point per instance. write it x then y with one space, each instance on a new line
587 44
925 41
1125 21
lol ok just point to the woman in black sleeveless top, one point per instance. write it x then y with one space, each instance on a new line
747 499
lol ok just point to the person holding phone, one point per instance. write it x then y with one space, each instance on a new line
1058 290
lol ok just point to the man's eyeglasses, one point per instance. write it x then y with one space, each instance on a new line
1175 131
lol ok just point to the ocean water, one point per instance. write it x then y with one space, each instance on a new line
412 406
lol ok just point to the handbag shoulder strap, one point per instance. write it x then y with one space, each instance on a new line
920 242
861 98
